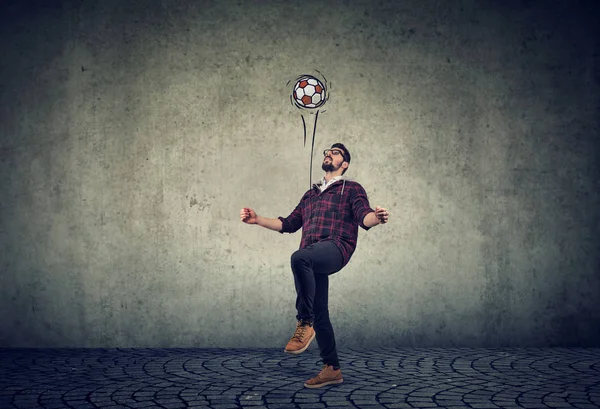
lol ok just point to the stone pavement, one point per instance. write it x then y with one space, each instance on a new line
268 378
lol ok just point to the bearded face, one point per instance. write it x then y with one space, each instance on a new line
328 165
333 160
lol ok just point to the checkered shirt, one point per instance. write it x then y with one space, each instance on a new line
333 214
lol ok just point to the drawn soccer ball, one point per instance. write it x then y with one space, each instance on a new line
309 92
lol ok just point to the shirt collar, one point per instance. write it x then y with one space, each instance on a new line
333 179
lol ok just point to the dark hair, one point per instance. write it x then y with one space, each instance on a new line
346 153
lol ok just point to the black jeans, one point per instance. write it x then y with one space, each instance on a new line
311 267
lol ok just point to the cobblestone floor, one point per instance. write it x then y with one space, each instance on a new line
268 378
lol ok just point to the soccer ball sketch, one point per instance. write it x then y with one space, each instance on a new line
309 92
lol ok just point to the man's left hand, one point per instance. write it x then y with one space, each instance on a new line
381 214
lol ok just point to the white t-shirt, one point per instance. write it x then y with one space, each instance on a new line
324 185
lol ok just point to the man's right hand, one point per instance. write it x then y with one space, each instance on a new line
248 215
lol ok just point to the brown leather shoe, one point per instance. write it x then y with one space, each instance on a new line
301 339
328 376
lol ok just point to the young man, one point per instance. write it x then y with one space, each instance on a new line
329 215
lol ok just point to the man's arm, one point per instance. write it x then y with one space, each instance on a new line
370 220
272 224
360 207
379 216
364 213
293 222
249 216
288 224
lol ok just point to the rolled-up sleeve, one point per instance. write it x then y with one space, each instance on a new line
360 205
293 222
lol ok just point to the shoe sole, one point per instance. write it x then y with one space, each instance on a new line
303 349
324 384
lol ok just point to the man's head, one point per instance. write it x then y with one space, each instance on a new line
337 157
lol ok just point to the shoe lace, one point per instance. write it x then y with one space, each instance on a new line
320 375
300 330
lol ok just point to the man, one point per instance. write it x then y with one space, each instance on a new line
329 215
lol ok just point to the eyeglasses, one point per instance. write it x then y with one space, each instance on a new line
334 152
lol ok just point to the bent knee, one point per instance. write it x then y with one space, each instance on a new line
299 256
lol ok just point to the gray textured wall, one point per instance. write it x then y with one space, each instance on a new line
133 132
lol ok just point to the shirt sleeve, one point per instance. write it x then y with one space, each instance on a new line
293 222
360 206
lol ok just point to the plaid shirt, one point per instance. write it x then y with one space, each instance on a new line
333 214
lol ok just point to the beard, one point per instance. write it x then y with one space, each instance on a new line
328 167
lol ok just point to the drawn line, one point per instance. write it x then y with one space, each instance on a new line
313 148
304 127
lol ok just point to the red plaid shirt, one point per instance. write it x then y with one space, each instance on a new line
334 214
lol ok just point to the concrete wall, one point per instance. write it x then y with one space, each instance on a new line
133 132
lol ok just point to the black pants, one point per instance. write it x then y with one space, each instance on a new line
311 267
